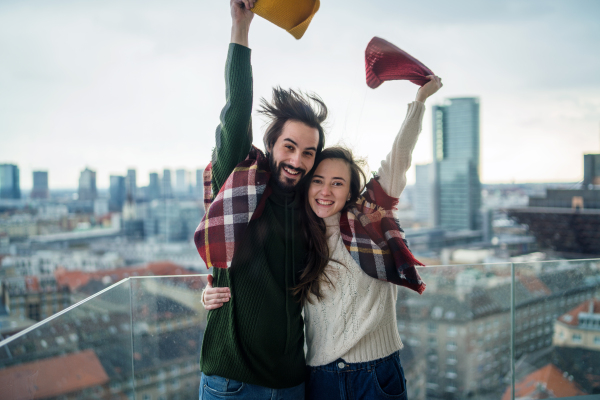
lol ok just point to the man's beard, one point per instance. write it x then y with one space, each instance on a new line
283 181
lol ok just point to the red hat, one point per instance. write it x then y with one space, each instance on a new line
386 62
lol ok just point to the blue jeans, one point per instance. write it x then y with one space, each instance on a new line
378 379
213 387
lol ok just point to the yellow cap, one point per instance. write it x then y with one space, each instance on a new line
292 15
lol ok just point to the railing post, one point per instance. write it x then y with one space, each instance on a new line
512 330
132 336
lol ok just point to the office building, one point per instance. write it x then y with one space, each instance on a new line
117 192
424 190
180 181
167 187
154 186
10 187
457 189
566 221
40 185
591 170
87 185
131 185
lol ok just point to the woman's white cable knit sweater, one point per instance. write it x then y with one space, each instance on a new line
356 319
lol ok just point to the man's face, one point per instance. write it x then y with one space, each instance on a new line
293 153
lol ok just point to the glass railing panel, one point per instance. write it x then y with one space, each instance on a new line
83 352
557 328
457 334
168 326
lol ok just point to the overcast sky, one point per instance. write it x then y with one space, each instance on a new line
114 84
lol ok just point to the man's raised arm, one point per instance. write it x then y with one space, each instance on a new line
234 133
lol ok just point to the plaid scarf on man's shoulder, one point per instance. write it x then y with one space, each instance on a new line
376 241
241 199
369 230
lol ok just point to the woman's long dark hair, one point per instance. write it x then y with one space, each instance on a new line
314 226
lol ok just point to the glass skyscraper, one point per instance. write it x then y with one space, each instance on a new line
117 192
457 188
40 185
87 185
10 186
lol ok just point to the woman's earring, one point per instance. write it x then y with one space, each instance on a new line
349 196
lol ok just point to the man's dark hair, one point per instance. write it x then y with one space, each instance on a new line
289 105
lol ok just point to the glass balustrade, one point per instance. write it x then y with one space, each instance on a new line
479 331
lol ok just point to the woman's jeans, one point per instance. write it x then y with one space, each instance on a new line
378 379
213 387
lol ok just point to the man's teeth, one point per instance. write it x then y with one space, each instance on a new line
289 171
324 202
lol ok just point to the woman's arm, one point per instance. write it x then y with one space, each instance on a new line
392 172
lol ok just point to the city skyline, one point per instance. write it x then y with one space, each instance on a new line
137 85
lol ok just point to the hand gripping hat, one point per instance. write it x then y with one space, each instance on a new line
292 15
386 62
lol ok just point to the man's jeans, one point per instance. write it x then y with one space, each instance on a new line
378 379
214 387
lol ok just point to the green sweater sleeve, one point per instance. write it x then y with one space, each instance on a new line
234 133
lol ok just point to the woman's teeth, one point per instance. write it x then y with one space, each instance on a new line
324 202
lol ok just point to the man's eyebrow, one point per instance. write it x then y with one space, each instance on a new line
296 144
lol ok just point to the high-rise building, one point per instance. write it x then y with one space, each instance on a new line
457 190
154 186
40 185
181 181
131 184
424 189
167 187
10 186
87 185
117 192
591 170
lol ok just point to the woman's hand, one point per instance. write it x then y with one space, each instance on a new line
215 297
434 84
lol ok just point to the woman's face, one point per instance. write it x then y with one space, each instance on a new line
329 187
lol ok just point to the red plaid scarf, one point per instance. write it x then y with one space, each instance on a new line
369 230
376 241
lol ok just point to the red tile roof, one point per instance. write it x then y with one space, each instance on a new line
534 285
76 279
572 317
544 381
52 376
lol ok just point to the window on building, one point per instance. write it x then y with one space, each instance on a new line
431 327
597 340
576 338
451 331
451 346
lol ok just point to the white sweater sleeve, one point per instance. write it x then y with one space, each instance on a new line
392 172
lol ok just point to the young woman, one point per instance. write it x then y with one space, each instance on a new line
350 318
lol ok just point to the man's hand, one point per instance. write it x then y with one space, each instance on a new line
434 84
241 16
214 297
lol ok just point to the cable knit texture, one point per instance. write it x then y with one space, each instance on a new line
356 319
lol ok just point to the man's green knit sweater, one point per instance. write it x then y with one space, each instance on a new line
258 336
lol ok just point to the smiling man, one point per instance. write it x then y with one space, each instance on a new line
253 346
